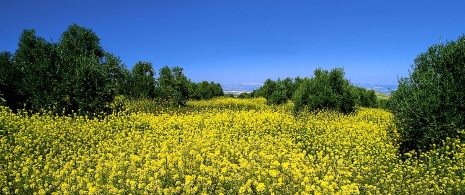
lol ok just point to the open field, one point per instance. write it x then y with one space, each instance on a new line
221 146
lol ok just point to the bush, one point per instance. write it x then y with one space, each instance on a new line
366 98
429 105
276 92
326 91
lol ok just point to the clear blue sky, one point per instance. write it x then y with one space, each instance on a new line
248 41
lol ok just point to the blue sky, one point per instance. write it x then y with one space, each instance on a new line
247 41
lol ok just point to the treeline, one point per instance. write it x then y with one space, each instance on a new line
77 75
327 90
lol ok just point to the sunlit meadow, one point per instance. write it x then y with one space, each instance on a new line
221 146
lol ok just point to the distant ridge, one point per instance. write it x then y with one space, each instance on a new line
385 88
237 89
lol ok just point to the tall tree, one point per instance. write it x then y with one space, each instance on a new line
84 85
181 85
35 62
166 84
118 77
429 105
326 90
143 81
9 83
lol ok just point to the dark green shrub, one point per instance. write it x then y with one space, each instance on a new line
430 104
73 75
366 98
244 95
143 81
204 90
276 92
326 91
9 83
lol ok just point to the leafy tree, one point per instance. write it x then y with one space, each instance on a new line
429 104
366 98
9 85
143 81
180 85
166 83
217 90
245 95
274 92
326 90
118 77
173 85
289 87
34 64
205 90
84 86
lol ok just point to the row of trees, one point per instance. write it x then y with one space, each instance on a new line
77 74
325 90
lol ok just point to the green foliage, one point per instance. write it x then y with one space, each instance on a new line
76 75
429 105
366 98
143 82
73 75
204 90
244 95
276 92
87 75
325 91
9 82
173 85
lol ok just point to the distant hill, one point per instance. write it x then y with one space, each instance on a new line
378 87
235 89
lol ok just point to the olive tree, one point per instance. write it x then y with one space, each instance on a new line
429 105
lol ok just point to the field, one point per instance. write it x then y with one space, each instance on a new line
220 146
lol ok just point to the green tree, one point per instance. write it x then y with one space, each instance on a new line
143 81
217 90
34 64
84 81
289 87
173 85
326 90
9 86
118 77
273 91
366 98
75 74
429 104
166 83
206 90
181 84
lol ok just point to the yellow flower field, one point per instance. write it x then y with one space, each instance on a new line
218 149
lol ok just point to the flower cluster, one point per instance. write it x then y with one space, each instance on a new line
220 151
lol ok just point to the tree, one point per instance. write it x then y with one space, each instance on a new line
429 104
181 85
325 91
166 85
9 86
366 98
173 85
274 92
84 86
34 63
118 77
143 81
75 74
